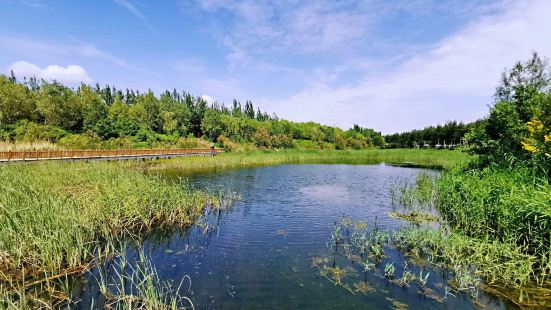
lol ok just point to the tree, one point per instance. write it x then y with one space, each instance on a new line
59 106
212 124
518 128
95 112
249 109
16 102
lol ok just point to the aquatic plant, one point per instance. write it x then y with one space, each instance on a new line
136 285
363 287
56 218
389 270
337 274
425 158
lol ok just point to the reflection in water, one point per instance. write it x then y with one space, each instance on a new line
326 192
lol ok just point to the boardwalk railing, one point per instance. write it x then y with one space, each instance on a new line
97 154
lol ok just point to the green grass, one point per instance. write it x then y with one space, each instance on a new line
507 205
425 158
495 230
56 217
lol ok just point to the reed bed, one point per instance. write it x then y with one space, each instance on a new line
506 205
57 217
494 233
423 158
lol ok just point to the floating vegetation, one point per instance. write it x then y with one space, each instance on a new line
336 274
396 305
363 287
319 261
431 294
468 264
415 217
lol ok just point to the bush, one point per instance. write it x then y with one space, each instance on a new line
80 142
29 131
193 143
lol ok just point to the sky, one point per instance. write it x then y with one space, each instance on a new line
388 65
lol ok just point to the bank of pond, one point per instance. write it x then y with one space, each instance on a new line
356 230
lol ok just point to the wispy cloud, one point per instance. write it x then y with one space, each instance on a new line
74 46
134 10
453 79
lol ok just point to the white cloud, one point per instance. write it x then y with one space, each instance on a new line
454 79
208 99
72 74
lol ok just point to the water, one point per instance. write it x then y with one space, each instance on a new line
259 255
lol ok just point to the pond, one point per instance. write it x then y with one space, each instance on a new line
267 250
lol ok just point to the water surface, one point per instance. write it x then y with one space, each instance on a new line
260 253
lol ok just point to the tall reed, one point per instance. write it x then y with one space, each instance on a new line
55 216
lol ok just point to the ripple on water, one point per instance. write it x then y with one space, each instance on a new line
261 255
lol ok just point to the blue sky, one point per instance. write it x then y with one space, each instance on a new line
390 65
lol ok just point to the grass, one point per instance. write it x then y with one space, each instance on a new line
56 217
507 205
495 230
29 146
135 284
426 158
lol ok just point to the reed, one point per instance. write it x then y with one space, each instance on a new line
136 285
56 217
422 158
507 205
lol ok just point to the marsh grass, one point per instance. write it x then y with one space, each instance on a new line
494 232
58 218
428 158
469 264
127 283
510 206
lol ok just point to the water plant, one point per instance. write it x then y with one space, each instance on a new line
136 285
56 218
389 270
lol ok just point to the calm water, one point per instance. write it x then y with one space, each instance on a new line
259 254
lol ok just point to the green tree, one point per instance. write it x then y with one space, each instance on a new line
59 106
16 102
212 124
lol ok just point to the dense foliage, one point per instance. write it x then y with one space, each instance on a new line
107 117
505 193
451 133
517 131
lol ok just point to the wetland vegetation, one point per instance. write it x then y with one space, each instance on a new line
475 233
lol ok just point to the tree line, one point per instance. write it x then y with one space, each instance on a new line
108 117
450 133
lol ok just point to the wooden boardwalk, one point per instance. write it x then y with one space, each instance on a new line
23 156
